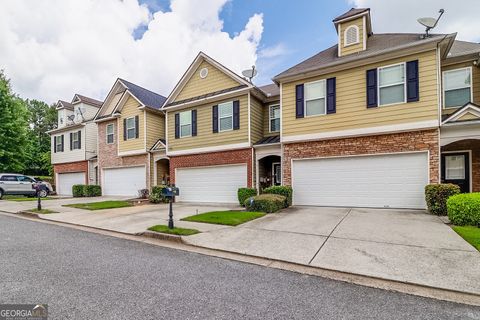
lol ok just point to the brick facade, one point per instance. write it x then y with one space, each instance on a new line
387 143
243 156
108 153
79 166
474 147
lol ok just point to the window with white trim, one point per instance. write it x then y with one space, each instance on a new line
457 87
351 35
76 140
391 84
185 124
315 102
455 167
225 116
131 130
59 145
110 133
274 117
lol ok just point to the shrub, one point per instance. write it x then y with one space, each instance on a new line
92 190
464 209
78 190
436 196
156 195
265 203
143 193
245 193
285 191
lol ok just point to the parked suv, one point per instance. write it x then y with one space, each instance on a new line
19 184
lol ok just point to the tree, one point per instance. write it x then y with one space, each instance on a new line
13 129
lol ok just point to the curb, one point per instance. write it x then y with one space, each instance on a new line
28 213
161 236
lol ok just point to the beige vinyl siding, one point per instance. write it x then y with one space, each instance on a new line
266 120
354 47
155 128
130 109
112 104
205 136
468 116
256 122
351 108
475 82
216 80
91 134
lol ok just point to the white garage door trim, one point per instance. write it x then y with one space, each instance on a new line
77 180
416 200
221 187
133 192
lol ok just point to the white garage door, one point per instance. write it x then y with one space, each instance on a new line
124 181
395 181
65 181
217 184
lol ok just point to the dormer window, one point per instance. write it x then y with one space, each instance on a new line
351 36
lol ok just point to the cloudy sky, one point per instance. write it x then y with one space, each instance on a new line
51 49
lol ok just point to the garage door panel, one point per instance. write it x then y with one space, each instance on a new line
65 181
210 184
124 181
395 181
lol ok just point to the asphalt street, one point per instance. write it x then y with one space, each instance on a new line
83 275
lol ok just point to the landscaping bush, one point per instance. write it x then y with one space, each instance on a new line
266 203
436 196
92 190
156 195
285 191
78 190
143 193
464 209
245 193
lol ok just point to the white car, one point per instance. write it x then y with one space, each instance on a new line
19 184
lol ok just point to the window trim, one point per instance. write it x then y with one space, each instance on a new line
180 124
357 41
270 117
130 128
443 86
108 134
220 117
58 139
394 84
305 85
77 140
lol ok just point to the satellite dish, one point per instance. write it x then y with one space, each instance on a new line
430 23
250 73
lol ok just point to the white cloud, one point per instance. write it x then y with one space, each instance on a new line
401 16
53 49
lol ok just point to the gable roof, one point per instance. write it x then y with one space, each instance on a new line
376 44
64 105
193 66
468 108
87 100
461 48
350 13
149 98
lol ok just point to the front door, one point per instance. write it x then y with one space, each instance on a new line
456 169
277 174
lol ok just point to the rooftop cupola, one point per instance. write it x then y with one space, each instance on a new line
353 28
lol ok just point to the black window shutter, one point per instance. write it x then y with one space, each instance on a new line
79 139
299 101
236 115
194 123
71 140
177 125
413 93
124 129
63 140
331 95
215 118
137 129
54 144
372 88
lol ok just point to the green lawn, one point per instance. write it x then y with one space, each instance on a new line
112 204
22 198
177 231
229 218
470 234
43 211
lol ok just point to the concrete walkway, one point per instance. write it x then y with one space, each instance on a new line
403 245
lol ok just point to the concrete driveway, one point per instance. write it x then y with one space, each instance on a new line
403 245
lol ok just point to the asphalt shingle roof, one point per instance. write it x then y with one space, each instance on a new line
350 13
67 105
268 140
90 101
147 97
270 90
460 48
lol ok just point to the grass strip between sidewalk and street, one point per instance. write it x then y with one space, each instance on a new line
176 231
228 218
22 198
470 234
43 211
111 204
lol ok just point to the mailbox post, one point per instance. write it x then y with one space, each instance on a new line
170 193
37 187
